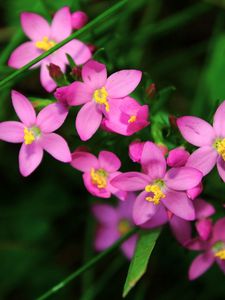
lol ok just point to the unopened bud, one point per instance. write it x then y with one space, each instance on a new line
173 121
151 90
76 72
79 19
92 48
55 72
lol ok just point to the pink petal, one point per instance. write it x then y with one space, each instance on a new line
130 181
219 123
52 117
221 264
105 214
136 126
23 109
196 131
135 150
200 265
12 132
122 83
179 204
204 228
129 245
203 209
94 190
109 161
30 156
221 168
61 26
183 178
46 81
197 244
153 161
177 157
84 161
23 54
34 26
94 74
159 219
219 230
125 208
143 210
105 237
56 146
181 229
88 121
203 159
121 195
195 191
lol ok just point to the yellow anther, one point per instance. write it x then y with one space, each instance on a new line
29 136
45 44
99 178
124 226
132 119
157 193
220 254
100 96
220 147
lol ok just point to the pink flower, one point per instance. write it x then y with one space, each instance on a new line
96 92
159 187
213 246
98 172
113 223
35 133
79 19
43 37
126 117
209 139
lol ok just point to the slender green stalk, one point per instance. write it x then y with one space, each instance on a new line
74 35
86 267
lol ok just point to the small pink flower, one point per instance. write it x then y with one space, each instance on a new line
212 242
43 37
79 19
160 187
96 92
209 139
35 133
126 117
113 223
98 172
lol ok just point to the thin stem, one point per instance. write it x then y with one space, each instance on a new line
74 35
86 267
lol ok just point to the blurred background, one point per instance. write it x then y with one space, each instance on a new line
46 229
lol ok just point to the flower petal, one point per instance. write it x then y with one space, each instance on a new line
61 26
219 123
88 121
135 150
200 265
177 157
52 117
194 192
129 245
84 161
196 131
219 230
34 26
221 167
94 74
121 195
203 209
183 178
109 161
12 132
221 264
105 214
105 237
203 159
46 81
130 181
122 83
179 204
23 109
56 146
30 156
181 229
204 228
159 219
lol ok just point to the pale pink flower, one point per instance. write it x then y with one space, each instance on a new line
42 38
35 133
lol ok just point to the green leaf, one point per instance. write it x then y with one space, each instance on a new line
139 263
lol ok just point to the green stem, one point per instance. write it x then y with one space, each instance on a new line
74 35
86 267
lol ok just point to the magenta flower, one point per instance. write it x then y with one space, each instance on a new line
35 133
42 38
96 92
126 117
213 246
113 223
159 187
209 139
98 172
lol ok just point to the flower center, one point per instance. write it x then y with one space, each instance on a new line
219 145
132 119
100 96
30 135
219 250
99 178
124 226
45 44
156 192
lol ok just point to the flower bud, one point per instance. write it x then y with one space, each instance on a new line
79 19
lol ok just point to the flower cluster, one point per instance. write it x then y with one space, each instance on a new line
168 185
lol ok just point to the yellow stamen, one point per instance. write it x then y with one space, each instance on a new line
99 178
132 119
124 226
157 193
220 254
100 96
220 147
45 44
29 136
